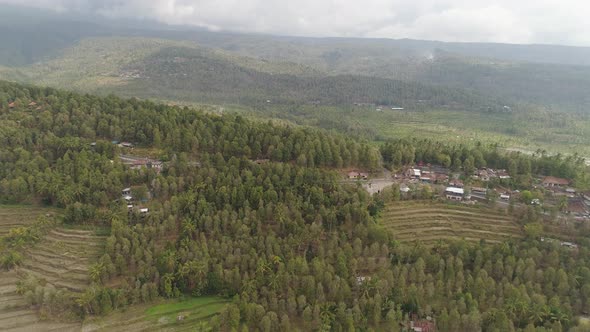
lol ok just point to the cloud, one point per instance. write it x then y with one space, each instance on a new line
523 21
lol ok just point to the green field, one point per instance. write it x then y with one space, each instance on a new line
196 313
429 222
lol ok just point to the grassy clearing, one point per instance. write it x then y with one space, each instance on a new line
430 222
162 316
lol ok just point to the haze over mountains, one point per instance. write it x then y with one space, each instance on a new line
191 65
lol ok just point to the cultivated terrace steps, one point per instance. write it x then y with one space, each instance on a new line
63 257
430 222
17 316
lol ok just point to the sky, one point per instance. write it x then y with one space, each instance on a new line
563 22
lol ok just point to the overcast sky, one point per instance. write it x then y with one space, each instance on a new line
511 21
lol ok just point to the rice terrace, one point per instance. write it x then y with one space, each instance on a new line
429 222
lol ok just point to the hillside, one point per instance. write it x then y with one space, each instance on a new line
164 69
247 224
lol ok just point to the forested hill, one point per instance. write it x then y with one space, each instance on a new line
156 68
54 50
255 213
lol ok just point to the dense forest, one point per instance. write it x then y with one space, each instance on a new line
293 247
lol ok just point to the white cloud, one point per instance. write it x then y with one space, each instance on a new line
513 21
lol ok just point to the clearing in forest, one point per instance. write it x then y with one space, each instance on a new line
429 222
187 315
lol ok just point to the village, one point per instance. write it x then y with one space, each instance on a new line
484 186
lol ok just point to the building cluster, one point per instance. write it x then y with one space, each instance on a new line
488 174
138 163
128 197
578 204
427 174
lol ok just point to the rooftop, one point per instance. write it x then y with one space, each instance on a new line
455 190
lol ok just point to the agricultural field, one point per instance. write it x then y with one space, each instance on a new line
525 130
196 313
63 257
17 316
430 222
12 216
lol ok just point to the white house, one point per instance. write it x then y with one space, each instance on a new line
454 193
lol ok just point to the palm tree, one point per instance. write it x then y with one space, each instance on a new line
273 282
96 271
327 315
168 280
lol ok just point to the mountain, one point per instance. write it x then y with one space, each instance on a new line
138 59
179 70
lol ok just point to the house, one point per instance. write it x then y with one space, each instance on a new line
422 326
126 144
456 183
479 191
483 175
32 104
454 193
551 181
144 210
129 206
505 197
577 206
358 175
353 175
415 173
404 189
569 245
155 164
128 198
441 178
11 105
126 191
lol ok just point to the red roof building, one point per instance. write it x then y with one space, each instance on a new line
551 181
422 326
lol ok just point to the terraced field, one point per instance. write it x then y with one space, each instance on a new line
12 216
196 313
429 222
63 257
17 316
